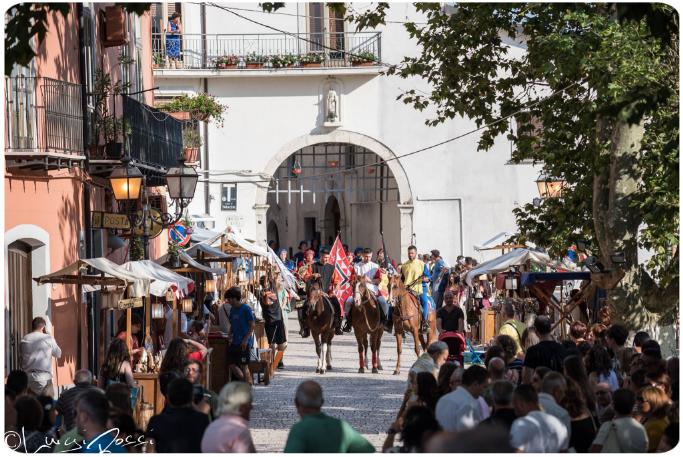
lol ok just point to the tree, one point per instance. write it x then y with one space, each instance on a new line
610 129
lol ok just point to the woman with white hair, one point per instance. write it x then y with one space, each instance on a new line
230 432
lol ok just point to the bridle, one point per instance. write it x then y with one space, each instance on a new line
396 301
368 297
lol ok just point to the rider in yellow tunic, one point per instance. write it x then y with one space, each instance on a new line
411 271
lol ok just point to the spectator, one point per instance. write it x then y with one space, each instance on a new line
430 361
547 353
496 369
595 333
65 403
425 389
537 378
603 393
511 327
480 440
583 348
628 436
651 344
553 390
439 268
240 337
669 439
577 332
529 338
639 339
272 307
450 318
653 404
616 337
418 426
135 326
660 380
503 414
574 369
116 366
128 432
92 413
118 395
29 420
625 356
637 380
224 315
583 424
318 432
535 431
568 344
230 431
177 355
459 410
512 360
37 349
12 438
17 382
208 403
179 428
672 370
599 368
650 359
165 379
443 383
456 379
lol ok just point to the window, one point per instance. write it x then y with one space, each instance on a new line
326 29
228 197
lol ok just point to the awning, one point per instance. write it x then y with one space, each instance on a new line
163 278
199 235
209 251
498 242
518 257
138 285
530 279
184 258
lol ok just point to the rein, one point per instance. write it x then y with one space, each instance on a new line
368 297
399 303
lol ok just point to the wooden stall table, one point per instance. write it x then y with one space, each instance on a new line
151 390
218 366
488 325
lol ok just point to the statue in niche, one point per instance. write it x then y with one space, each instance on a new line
332 105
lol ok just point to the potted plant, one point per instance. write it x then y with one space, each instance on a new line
283 61
174 254
187 221
363 59
112 127
227 62
193 141
157 59
312 59
254 60
96 150
115 129
204 105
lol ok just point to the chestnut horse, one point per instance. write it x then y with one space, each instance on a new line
366 319
406 317
320 319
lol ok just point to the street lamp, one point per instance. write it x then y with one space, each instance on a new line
511 281
550 187
126 181
182 182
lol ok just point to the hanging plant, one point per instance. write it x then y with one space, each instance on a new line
204 104
135 249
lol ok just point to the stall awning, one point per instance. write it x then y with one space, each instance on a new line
200 235
498 242
208 251
138 285
184 258
163 278
518 257
530 279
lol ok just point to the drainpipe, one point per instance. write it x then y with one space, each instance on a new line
86 190
462 233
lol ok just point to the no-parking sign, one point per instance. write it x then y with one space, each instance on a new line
178 233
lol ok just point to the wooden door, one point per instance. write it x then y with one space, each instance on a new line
20 303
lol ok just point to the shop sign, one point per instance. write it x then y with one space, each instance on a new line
103 220
235 220
129 303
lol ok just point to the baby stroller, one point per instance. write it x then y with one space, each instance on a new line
456 346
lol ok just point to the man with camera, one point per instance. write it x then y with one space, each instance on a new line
205 400
37 350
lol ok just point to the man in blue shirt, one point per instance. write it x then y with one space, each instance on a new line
439 267
92 412
240 336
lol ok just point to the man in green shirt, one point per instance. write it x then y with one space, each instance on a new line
511 327
318 432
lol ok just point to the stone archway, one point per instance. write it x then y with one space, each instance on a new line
405 205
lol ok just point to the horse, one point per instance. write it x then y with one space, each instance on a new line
365 320
406 317
320 319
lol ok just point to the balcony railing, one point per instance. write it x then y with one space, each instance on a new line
156 138
197 51
43 115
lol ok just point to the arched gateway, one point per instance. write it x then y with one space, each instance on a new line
405 197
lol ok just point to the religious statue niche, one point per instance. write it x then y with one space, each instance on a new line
331 104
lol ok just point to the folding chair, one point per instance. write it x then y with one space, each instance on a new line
475 357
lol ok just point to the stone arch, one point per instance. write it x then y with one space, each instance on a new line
405 205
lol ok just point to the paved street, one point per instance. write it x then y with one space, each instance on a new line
369 402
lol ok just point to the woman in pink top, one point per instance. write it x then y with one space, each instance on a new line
230 432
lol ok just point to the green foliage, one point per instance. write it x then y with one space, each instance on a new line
364 56
173 249
312 57
135 248
203 103
271 6
193 140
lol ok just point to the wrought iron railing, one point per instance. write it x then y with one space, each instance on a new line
197 51
43 115
156 138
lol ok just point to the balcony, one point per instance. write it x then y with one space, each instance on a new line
44 123
263 54
154 144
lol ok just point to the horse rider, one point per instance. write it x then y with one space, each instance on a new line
331 281
370 271
416 277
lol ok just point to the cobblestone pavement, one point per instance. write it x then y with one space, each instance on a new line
368 402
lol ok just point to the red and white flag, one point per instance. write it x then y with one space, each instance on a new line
338 259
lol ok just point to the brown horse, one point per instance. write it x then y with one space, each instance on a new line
320 319
406 317
366 319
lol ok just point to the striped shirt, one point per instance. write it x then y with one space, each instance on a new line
66 404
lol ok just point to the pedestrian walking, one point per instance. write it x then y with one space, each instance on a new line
204 399
92 413
503 414
240 336
37 349
547 353
29 420
229 433
511 326
553 390
318 432
623 434
535 431
459 410
66 406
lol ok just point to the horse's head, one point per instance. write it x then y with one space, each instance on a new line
313 289
359 289
395 287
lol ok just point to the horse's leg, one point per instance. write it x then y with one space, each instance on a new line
380 332
360 349
329 352
374 347
398 333
323 353
365 348
316 340
415 330
432 326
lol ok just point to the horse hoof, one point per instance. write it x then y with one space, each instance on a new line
379 367
375 370
329 367
317 370
322 371
397 372
361 370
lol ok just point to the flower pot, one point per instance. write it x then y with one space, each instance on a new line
181 115
191 154
227 67
254 65
362 64
114 150
311 64
189 231
175 262
155 65
96 150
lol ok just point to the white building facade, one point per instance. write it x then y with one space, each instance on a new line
335 122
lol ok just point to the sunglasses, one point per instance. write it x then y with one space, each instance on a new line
641 400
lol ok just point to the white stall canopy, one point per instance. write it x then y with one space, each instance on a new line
191 263
210 252
163 278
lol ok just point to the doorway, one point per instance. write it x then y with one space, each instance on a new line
20 305
332 219
274 235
